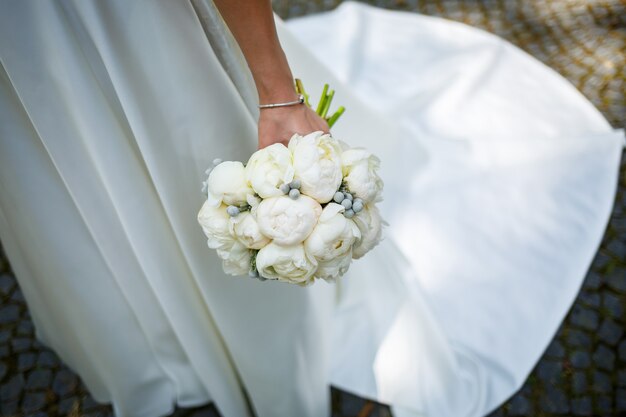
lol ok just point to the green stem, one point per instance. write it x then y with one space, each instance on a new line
300 90
335 116
320 105
253 260
329 98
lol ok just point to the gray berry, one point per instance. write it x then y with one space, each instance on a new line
349 213
232 211
357 206
347 204
338 197
358 199
217 161
285 188
294 194
295 184
348 196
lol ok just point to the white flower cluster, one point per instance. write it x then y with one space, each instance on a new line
294 213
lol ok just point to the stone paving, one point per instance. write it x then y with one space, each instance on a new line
582 373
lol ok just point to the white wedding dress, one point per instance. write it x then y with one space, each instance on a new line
499 180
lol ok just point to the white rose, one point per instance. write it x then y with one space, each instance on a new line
333 235
287 263
236 260
215 225
268 169
288 221
359 171
369 223
227 182
329 271
317 164
246 229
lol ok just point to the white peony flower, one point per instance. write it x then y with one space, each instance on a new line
333 235
253 202
215 225
246 229
227 183
317 164
288 221
369 223
287 263
268 169
330 270
343 145
359 171
236 260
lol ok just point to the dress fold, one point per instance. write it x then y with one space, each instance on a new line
499 181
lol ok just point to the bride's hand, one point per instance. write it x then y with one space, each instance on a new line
278 124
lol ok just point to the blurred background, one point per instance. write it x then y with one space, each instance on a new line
583 371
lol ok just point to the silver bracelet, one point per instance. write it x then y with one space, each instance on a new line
300 100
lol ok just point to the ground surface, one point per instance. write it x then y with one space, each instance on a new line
583 373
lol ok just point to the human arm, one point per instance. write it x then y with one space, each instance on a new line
252 24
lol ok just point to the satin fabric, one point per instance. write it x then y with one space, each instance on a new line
499 181
498 191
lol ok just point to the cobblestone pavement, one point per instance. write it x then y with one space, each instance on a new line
582 373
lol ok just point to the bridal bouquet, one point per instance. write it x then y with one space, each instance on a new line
294 213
